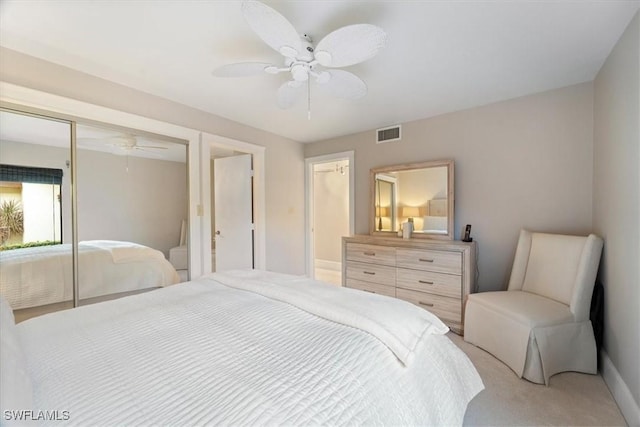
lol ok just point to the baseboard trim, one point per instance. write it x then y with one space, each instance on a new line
328 265
621 393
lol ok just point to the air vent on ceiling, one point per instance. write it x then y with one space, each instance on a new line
389 134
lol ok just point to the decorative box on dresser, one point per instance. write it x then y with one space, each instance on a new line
434 274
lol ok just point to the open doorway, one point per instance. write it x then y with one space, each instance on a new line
329 213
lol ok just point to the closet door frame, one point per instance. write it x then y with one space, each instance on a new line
46 115
73 121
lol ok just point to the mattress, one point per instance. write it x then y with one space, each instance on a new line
240 348
43 275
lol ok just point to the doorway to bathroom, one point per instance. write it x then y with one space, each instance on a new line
329 213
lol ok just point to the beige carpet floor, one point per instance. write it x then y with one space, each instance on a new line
571 399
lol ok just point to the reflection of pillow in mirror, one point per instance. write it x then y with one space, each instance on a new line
434 223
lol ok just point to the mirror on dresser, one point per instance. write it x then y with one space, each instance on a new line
421 193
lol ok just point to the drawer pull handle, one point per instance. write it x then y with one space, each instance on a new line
428 304
369 272
370 253
425 282
425 260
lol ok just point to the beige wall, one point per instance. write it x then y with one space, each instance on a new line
616 203
284 158
525 162
144 204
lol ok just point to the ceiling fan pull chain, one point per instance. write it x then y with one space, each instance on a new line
309 99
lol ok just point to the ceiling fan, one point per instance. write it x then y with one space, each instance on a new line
124 144
304 61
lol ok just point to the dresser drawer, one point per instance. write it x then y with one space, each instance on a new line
449 310
381 274
375 288
438 261
449 285
371 253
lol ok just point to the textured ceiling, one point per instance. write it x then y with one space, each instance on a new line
441 56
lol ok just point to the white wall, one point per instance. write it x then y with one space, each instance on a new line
525 162
40 213
616 210
284 169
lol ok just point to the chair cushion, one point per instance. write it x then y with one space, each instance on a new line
553 265
525 307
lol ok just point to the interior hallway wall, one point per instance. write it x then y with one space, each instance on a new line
331 214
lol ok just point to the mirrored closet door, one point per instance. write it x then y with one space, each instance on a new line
132 211
36 233
88 212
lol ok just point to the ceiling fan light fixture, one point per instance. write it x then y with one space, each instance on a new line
343 47
300 73
323 57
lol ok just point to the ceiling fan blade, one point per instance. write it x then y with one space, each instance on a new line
153 147
288 94
273 28
344 84
241 69
350 45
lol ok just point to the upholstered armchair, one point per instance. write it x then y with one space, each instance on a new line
540 325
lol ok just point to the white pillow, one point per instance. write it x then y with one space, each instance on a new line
16 391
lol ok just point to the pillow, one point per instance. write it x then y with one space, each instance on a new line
435 223
16 391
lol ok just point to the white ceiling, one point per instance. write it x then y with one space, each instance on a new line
441 56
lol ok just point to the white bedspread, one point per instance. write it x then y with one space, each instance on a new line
43 275
203 353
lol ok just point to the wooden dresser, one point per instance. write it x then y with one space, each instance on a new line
434 274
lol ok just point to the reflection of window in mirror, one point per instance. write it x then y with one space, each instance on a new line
385 202
30 205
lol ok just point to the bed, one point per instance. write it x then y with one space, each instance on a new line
43 275
240 348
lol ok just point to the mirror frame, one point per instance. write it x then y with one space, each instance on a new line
448 163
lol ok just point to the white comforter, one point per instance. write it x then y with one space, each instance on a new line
206 353
43 275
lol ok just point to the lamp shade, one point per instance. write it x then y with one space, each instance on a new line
382 211
410 211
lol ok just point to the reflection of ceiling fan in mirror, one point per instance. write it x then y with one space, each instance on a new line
122 144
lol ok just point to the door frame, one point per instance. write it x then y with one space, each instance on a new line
259 190
309 163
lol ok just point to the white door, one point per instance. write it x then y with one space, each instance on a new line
233 212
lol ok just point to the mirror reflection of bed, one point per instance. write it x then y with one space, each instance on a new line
417 193
131 203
